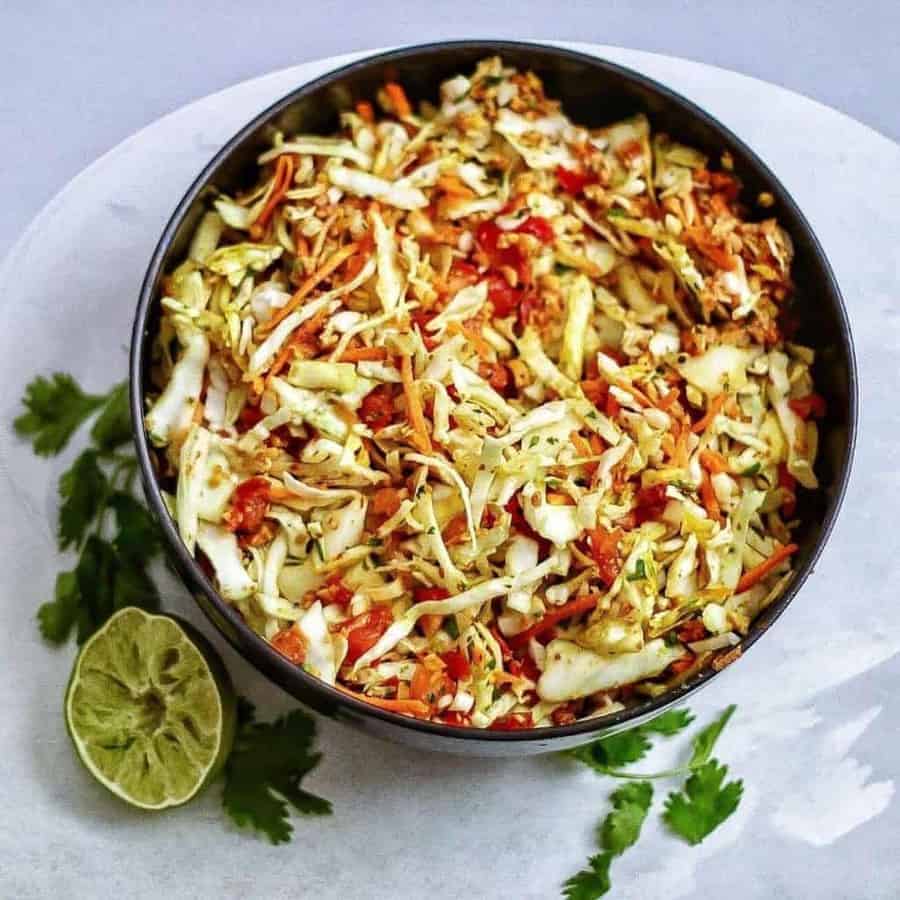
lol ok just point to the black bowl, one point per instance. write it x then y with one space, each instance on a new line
593 92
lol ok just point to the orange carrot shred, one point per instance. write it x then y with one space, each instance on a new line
757 573
713 462
284 172
398 99
421 439
365 111
336 259
715 406
708 496
364 354
405 707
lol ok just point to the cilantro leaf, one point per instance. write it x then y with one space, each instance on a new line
588 884
54 408
56 617
705 803
706 739
95 574
622 827
137 539
113 425
264 772
613 752
82 488
670 722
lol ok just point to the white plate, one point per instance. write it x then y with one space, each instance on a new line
408 824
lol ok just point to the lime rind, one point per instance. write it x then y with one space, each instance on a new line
151 709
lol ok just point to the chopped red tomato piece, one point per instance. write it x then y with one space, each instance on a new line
683 664
290 643
524 667
363 631
573 182
692 631
335 591
512 722
248 417
651 503
504 298
537 227
454 718
249 506
520 523
810 405
487 236
457 665
422 594
564 715
377 408
789 483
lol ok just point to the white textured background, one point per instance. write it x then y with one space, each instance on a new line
816 733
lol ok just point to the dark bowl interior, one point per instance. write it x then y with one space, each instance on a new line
593 92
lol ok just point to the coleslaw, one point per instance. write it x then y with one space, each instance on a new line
483 416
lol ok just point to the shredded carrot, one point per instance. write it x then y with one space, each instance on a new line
665 402
597 444
637 393
454 186
365 111
405 707
715 406
757 573
583 448
336 259
421 439
364 354
355 263
479 344
567 610
287 351
713 462
398 99
430 624
709 499
284 172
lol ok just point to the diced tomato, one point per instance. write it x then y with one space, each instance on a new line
651 503
248 417
524 667
596 390
789 483
692 631
335 591
505 652
454 718
502 295
725 184
363 631
377 408
290 643
810 405
683 664
537 227
487 236
612 407
422 594
512 722
498 377
457 665
605 551
573 182
564 715
249 506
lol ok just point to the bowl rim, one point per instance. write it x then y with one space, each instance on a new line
277 668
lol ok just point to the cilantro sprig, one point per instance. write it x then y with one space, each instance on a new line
112 533
693 813
264 772
115 539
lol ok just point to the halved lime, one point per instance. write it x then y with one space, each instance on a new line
151 709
